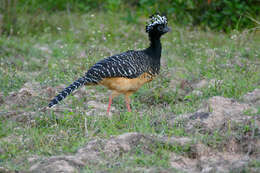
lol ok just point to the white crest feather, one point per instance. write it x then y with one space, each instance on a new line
156 20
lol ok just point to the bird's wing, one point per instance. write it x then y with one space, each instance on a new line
130 64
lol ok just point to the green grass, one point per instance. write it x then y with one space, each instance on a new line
57 49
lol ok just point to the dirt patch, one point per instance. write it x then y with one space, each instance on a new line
24 95
238 130
33 93
217 113
208 160
200 157
253 97
102 152
97 108
224 110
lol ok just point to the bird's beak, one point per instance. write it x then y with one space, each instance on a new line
167 29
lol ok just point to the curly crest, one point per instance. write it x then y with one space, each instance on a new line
155 19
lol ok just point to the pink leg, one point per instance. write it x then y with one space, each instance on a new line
113 95
127 102
109 103
128 107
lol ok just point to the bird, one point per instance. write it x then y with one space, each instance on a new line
126 72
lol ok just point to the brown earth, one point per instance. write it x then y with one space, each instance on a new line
233 154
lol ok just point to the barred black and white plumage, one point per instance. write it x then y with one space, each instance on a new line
130 64
81 81
124 73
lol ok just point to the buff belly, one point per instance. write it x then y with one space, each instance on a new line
125 85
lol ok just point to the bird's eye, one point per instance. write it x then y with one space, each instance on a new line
160 27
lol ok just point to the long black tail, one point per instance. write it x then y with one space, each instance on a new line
81 81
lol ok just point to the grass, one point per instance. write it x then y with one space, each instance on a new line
55 49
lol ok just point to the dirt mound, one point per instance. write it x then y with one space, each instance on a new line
235 125
225 114
253 97
208 160
31 95
217 113
237 150
101 152
200 157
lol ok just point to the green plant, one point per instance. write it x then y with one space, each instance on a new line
225 15
8 19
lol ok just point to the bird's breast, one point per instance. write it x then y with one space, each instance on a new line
123 85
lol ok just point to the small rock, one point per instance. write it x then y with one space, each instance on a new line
253 97
233 146
183 163
82 54
33 158
1 23
5 170
50 92
33 87
20 98
200 115
1 98
215 82
197 93
55 167
203 83
23 92
44 48
99 107
202 150
81 93
208 169
1 151
24 95
24 117
174 84
186 85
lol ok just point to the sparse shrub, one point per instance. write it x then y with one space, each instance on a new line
58 5
225 15
220 15
8 17
216 14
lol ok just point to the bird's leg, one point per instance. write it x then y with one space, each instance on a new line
113 95
109 103
127 101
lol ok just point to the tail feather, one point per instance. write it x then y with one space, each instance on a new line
81 81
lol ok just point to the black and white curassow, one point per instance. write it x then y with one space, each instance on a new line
126 72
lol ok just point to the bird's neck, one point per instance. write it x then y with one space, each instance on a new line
155 48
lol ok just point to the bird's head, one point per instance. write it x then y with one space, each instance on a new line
157 25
